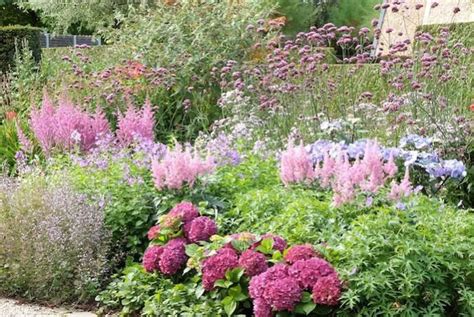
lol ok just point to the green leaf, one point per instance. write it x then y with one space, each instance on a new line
305 308
237 294
229 305
240 246
234 275
223 283
306 298
191 249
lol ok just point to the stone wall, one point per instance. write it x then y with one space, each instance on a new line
405 22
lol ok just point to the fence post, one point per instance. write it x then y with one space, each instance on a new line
47 39
74 40
99 41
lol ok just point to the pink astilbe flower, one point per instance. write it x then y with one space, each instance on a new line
200 229
296 165
253 262
151 258
67 126
373 165
307 272
135 124
327 290
300 252
173 256
179 168
153 232
215 267
43 125
390 168
25 143
404 189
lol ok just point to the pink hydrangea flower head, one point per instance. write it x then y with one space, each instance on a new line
257 285
185 210
153 232
307 272
253 262
282 294
173 257
327 290
215 267
261 308
300 252
200 229
151 258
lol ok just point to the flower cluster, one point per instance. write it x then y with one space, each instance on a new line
363 166
66 126
181 226
280 288
135 124
277 287
180 167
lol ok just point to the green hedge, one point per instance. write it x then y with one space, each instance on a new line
11 36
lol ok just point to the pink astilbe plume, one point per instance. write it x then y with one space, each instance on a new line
42 123
135 124
403 189
25 143
66 126
296 165
180 167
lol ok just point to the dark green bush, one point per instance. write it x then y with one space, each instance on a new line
12 38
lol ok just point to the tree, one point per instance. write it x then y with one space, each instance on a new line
92 15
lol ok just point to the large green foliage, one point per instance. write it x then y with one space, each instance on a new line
353 13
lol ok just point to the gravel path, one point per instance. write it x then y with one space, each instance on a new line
11 308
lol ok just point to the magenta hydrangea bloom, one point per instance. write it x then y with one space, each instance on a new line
184 210
173 257
200 229
283 294
253 262
151 258
153 232
279 244
299 252
258 283
215 267
261 308
327 290
307 272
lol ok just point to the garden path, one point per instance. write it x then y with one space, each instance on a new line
13 308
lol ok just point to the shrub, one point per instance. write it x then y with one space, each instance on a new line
11 38
53 242
417 261
127 192
235 271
